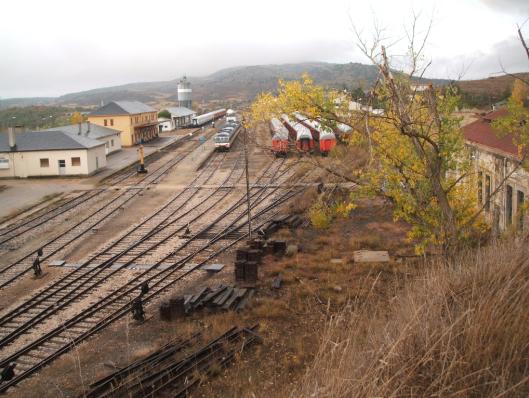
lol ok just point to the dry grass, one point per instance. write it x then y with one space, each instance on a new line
458 331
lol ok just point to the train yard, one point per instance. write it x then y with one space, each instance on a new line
95 280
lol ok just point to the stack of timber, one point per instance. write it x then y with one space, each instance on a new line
216 298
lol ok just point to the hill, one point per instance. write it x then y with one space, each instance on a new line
485 92
236 84
242 84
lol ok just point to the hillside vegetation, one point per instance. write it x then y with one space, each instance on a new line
486 92
33 117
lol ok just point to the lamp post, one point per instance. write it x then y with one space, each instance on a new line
247 179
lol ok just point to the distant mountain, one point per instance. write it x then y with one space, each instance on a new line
29 101
231 85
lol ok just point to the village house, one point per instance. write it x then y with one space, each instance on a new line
181 116
165 124
494 158
110 137
137 122
49 153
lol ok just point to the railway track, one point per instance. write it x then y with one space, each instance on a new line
116 304
26 225
85 278
14 230
97 268
103 213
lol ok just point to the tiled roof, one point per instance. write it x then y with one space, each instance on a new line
47 141
481 132
96 131
181 111
122 108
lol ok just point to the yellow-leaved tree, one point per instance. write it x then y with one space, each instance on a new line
417 157
516 122
76 118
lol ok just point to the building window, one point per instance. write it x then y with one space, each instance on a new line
45 162
480 187
521 211
111 142
105 122
76 161
111 122
508 205
487 192
4 163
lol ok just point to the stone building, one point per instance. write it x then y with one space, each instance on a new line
496 159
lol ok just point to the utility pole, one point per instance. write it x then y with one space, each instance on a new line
247 179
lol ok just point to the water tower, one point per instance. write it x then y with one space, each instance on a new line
184 93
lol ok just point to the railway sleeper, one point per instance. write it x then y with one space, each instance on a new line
87 323
24 363
62 340
51 345
38 354
12 324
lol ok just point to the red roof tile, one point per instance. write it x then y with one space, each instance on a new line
481 132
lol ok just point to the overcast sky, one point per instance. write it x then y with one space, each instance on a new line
54 47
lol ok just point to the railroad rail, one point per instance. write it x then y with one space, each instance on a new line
25 225
73 287
169 368
97 268
117 304
17 269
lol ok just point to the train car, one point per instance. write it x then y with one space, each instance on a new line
310 124
287 123
200 120
225 138
304 140
343 132
326 137
327 142
280 142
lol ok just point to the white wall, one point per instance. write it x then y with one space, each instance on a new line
167 125
116 146
27 164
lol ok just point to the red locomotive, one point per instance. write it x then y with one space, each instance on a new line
303 136
280 141
325 136
327 142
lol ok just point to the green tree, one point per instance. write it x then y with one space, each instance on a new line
164 113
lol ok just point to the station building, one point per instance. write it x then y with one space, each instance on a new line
109 136
49 153
494 158
165 124
181 117
137 121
